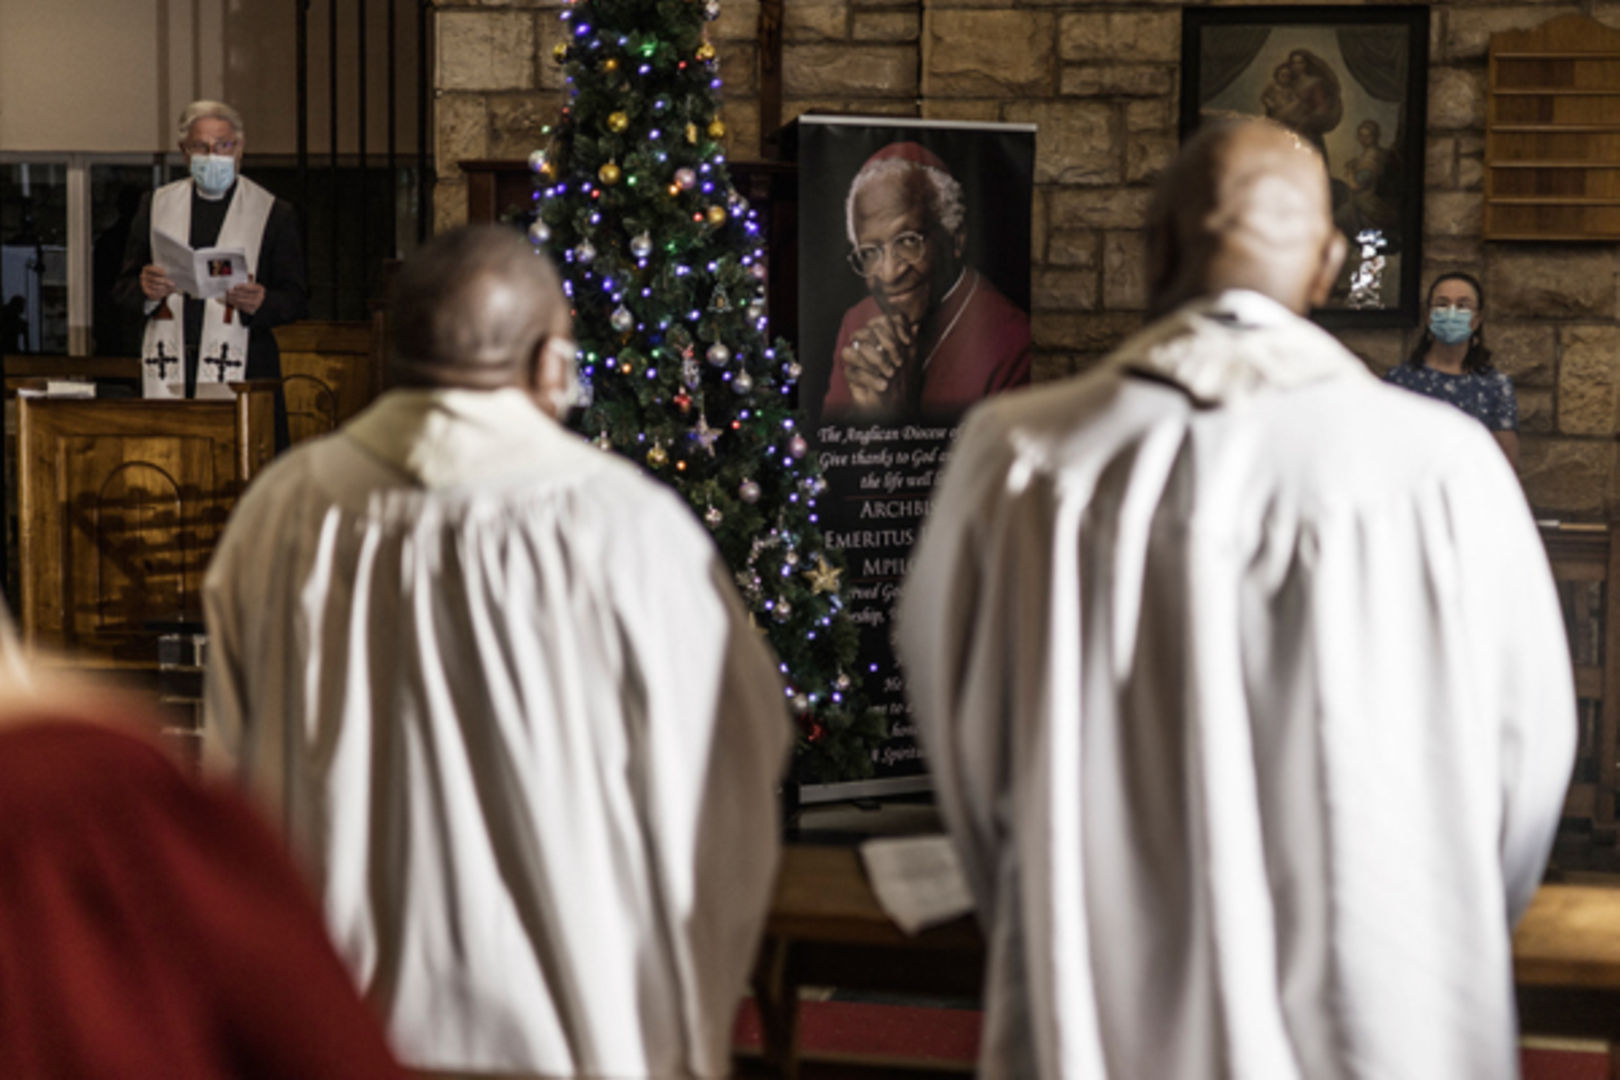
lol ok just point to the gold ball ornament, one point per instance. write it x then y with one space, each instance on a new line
705 52
610 65
559 52
617 122
657 457
717 215
691 133
609 173
717 128
549 169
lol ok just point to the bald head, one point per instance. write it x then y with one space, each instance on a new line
472 310
1246 205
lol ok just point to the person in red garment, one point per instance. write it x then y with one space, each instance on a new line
934 335
151 927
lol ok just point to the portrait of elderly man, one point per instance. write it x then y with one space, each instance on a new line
190 343
933 334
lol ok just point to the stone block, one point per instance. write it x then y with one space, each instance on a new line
792 108
486 50
1440 162
1470 161
742 129
1453 213
449 205
885 26
843 71
1147 155
1380 350
1456 98
1117 80
1468 30
1566 476
1063 290
1552 282
1099 332
1048 366
1536 412
1099 208
975 53
739 68
1154 115
1589 380
1441 253
738 21
1124 271
550 74
810 20
1079 248
977 110
1526 352
1077 143
461 131
1121 36
515 121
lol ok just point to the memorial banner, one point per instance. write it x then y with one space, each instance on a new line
914 255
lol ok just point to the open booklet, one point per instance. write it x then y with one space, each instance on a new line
917 880
202 273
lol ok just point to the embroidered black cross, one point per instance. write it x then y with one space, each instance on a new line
222 362
162 360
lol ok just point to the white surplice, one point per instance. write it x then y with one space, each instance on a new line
497 686
1244 686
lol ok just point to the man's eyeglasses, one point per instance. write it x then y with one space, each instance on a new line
202 146
908 246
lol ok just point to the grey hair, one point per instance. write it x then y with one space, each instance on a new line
945 202
203 110
470 308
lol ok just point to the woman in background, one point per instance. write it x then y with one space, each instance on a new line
1452 364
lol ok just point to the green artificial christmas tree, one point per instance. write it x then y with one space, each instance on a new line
664 264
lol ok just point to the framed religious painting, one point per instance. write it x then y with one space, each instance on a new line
1353 82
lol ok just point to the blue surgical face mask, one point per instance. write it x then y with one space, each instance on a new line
214 173
1451 326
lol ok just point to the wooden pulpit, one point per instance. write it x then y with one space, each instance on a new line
119 506
329 372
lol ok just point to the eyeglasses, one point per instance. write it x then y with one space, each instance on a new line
203 146
908 246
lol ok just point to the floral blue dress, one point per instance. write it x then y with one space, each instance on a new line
1487 398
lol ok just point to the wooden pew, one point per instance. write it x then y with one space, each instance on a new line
120 504
826 928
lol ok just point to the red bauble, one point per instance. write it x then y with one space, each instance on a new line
817 731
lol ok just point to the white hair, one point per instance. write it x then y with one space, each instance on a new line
945 202
203 110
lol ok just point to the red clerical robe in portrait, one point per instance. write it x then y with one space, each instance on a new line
975 344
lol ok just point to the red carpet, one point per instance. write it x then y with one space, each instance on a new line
841 1027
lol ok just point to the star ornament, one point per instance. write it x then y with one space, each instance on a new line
824 577
705 435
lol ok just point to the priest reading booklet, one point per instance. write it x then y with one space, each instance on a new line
496 686
1243 681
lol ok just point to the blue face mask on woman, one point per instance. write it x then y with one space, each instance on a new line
214 173
1451 326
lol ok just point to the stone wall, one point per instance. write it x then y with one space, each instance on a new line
1100 78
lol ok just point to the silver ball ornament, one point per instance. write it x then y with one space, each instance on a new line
685 178
713 517
801 704
718 355
641 245
794 370
756 310
797 446
537 160
539 232
711 9
603 442
748 492
791 558
585 253
743 383
782 610
842 682
621 320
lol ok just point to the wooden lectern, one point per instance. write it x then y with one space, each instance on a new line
119 506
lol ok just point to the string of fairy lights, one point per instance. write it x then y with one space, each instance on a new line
664 263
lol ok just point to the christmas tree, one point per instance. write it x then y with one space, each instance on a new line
664 264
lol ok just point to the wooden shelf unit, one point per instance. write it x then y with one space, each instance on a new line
1552 133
